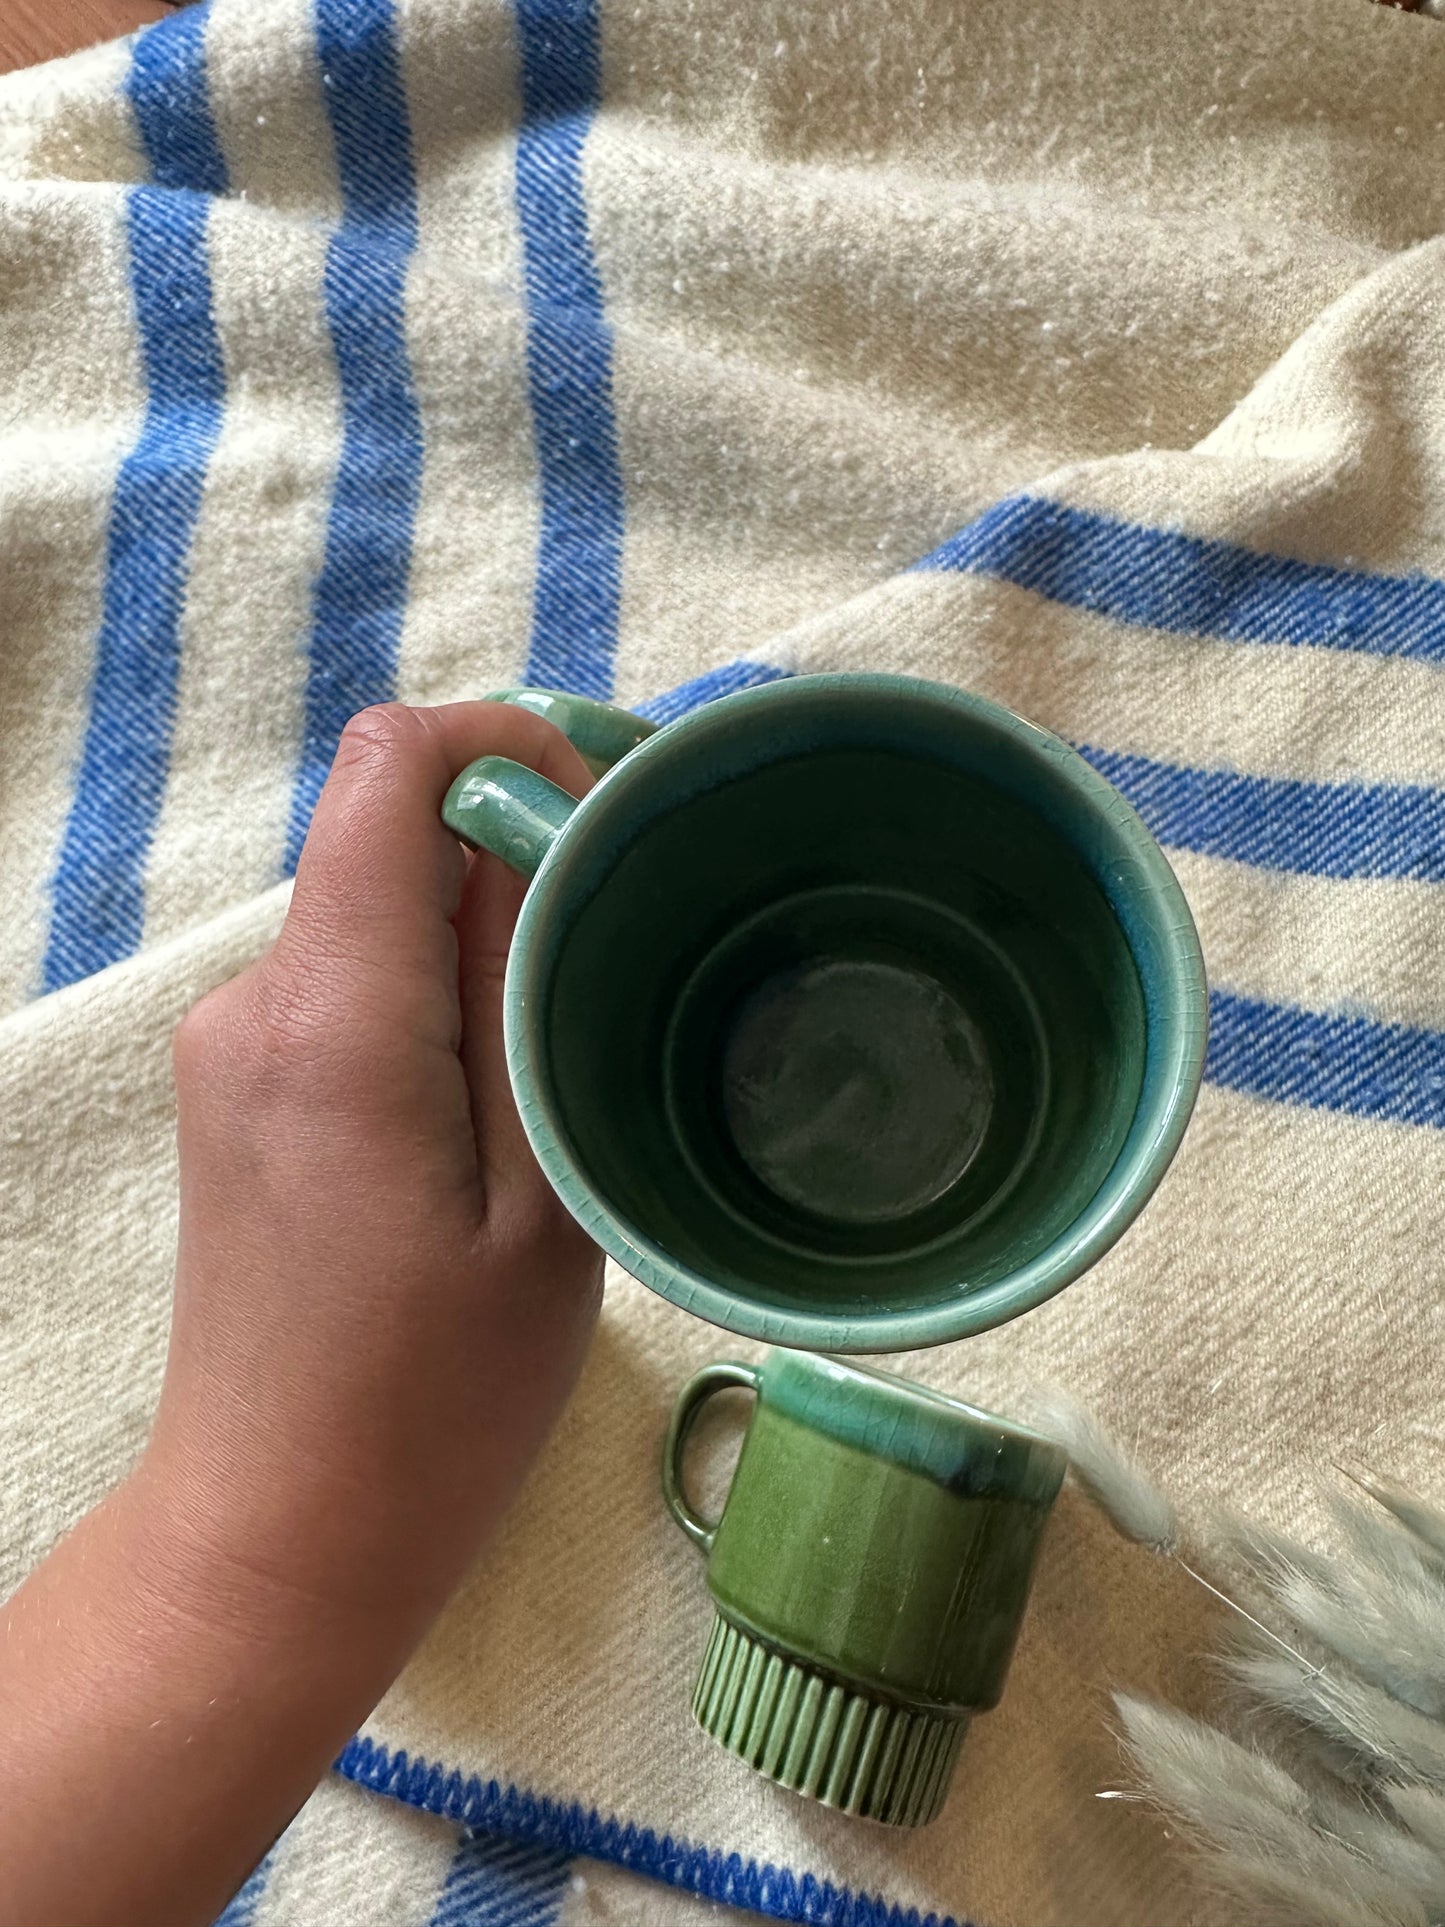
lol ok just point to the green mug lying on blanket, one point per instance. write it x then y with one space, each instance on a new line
869 1574
851 1012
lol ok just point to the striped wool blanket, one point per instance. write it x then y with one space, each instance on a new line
1088 357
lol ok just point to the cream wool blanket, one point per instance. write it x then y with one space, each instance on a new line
1088 356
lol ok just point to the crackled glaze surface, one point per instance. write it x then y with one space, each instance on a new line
850 1012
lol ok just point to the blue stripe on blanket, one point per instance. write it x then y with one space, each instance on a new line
1285 823
775 1892
1160 579
171 102
497 1881
1327 1060
361 593
1331 1061
569 355
99 887
98 892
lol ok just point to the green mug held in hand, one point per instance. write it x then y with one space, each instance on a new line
869 1576
851 1012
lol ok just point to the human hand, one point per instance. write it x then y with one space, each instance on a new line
380 1307
380 1304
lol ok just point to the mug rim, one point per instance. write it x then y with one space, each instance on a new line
1177 1000
828 1368
934 1397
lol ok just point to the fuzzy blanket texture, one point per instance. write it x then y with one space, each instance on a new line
1089 357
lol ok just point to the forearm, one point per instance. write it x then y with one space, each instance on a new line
169 1710
380 1308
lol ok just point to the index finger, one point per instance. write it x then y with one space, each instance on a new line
380 876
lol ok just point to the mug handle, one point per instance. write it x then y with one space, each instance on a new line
690 1400
502 806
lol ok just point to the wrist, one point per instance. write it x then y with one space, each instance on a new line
155 1679
345 1504
221 1572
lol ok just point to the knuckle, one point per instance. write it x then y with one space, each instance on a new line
218 1066
197 1037
247 1042
312 1048
289 1025
378 735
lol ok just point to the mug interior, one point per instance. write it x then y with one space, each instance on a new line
835 1009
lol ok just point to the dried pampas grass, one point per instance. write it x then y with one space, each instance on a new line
1292 1857
1331 1812
1100 1464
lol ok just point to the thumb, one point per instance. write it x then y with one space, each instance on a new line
485 924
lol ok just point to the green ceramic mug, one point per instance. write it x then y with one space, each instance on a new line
869 1575
852 1012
